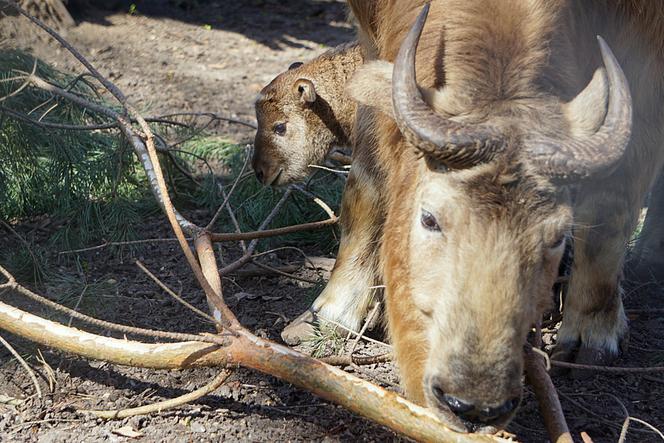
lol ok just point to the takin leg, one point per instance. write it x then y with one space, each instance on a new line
646 262
351 288
594 324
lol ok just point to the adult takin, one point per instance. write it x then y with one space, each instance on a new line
469 194
303 113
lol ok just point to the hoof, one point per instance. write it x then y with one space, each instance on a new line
300 329
563 352
594 357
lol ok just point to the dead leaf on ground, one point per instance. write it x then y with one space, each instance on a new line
127 431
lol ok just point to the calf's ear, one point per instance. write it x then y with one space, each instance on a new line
306 90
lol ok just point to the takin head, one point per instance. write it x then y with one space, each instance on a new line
302 114
476 227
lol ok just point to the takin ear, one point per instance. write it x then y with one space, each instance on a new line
295 65
371 85
306 90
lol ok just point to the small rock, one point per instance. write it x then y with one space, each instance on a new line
198 428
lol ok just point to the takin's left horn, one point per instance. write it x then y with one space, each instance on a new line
456 145
596 155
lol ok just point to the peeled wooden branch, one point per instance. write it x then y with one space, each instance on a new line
550 407
247 350
166 404
233 236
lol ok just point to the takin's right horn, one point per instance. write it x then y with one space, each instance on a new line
597 155
455 145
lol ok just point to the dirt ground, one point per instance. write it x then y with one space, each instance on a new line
215 58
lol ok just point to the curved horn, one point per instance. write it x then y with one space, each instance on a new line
597 155
456 145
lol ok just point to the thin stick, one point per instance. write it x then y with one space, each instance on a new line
120 243
23 363
228 196
348 360
332 322
172 293
233 218
549 403
166 404
648 425
212 116
12 284
285 274
288 269
25 84
367 322
247 257
614 369
221 237
342 173
91 127
78 303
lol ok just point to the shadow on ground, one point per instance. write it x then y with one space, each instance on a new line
274 23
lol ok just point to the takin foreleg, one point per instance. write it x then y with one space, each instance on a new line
353 284
594 327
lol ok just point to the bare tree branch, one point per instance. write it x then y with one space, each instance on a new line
245 349
219 380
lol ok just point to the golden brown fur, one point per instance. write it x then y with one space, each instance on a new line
313 127
459 304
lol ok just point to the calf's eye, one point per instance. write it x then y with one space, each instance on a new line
279 128
429 222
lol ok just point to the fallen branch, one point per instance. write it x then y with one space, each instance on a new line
547 397
25 365
230 236
614 369
245 349
219 380
348 360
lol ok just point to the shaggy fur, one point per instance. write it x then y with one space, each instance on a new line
460 300
309 100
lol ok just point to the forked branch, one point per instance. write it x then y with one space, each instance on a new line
247 350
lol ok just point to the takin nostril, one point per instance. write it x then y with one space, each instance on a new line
457 406
488 414
259 174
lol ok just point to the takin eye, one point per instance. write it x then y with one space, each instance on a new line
558 242
279 128
429 222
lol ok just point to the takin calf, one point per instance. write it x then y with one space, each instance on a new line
462 201
302 114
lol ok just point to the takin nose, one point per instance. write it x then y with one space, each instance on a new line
261 169
474 416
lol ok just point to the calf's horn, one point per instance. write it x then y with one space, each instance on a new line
597 155
456 145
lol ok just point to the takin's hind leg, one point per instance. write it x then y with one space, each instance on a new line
646 261
352 285
594 325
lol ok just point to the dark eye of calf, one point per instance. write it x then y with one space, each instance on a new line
429 221
279 128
